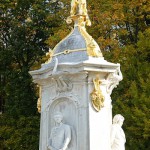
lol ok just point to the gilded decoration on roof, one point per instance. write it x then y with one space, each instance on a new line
79 16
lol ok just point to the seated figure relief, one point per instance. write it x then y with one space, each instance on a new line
60 134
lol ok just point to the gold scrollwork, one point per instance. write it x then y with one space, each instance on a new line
50 56
92 47
39 105
78 8
97 97
79 15
39 100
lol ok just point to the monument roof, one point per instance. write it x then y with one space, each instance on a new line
78 45
72 48
76 53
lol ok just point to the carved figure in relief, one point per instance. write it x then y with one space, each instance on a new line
117 134
63 85
60 134
114 79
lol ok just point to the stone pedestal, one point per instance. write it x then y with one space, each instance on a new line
76 82
68 90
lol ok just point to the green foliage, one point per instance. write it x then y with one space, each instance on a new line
19 133
134 90
25 27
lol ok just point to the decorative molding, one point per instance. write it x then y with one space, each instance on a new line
51 54
78 77
113 80
70 96
97 97
63 85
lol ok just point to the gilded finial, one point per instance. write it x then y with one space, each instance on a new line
79 15
79 10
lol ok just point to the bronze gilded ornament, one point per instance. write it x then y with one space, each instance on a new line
97 97
79 15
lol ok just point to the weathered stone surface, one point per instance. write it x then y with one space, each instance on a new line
66 84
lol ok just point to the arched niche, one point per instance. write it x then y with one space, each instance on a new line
69 108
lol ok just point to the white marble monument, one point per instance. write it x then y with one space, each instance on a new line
117 134
60 136
77 82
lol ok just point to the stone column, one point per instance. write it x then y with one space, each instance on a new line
69 92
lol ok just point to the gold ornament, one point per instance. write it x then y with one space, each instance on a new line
92 47
39 105
39 100
97 97
80 16
50 55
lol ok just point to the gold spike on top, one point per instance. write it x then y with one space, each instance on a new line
79 15
78 8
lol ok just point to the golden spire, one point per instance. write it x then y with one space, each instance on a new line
78 9
79 15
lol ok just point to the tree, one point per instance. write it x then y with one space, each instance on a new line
25 27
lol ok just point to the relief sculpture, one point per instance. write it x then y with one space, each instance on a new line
113 80
63 85
97 96
60 134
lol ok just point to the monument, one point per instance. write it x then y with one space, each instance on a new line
76 82
117 134
60 134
